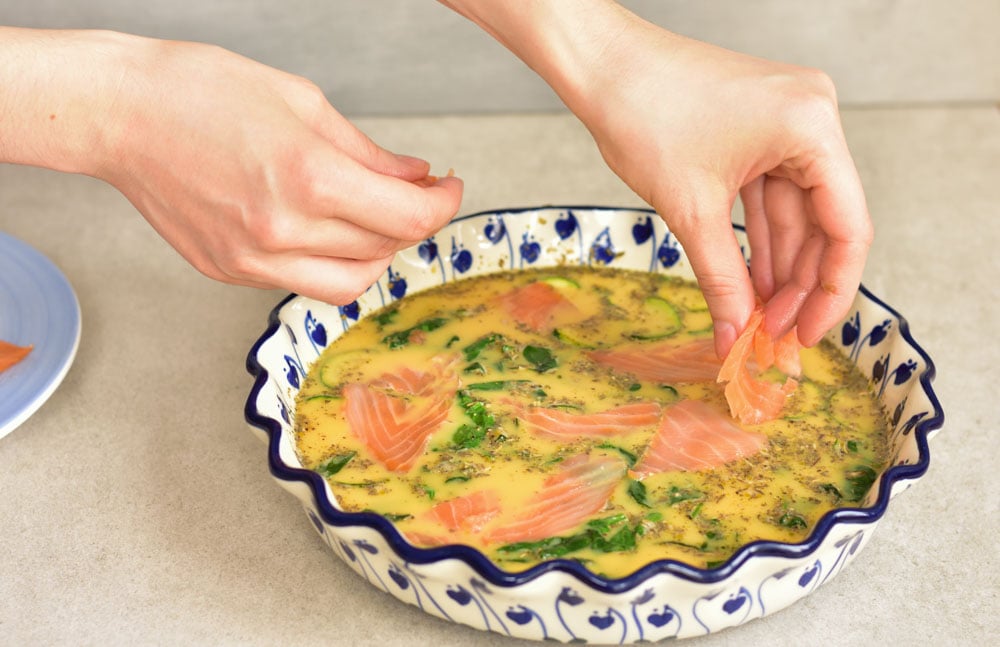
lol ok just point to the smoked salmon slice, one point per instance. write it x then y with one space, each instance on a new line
567 425
663 361
753 400
466 513
694 436
580 489
396 414
11 354
538 305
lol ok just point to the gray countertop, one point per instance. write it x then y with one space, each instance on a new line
137 507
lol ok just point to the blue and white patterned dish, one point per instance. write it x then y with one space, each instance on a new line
560 599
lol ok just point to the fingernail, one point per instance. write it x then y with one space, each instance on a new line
725 337
414 162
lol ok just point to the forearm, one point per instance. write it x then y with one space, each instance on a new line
571 44
58 92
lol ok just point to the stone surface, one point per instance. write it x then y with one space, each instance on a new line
137 507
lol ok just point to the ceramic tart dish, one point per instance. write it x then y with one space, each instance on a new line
561 599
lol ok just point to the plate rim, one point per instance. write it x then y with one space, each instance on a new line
55 372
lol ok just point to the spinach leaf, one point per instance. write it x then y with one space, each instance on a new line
390 515
832 490
468 436
401 338
637 490
607 535
473 350
629 457
679 495
860 479
336 463
473 433
476 368
792 519
540 357
386 317
495 385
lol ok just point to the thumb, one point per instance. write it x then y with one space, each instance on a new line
366 152
346 137
715 256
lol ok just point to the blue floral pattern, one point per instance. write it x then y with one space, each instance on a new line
665 600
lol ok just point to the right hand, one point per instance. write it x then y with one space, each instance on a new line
254 178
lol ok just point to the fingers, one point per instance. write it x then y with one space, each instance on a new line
759 238
782 310
714 253
837 206
308 276
345 189
809 237
329 124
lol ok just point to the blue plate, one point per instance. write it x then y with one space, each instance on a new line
37 307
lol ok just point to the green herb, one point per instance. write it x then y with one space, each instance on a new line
695 511
637 490
475 367
495 385
678 495
859 480
401 338
386 317
671 392
451 342
634 386
360 484
852 446
429 491
336 463
322 396
540 357
391 516
792 519
629 457
607 535
468 436
461 478
473 350
832 490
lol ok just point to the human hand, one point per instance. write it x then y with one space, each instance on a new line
689 126
252 176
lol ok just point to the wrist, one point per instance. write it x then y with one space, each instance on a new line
62 100
569 43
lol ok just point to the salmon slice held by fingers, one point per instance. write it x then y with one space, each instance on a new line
665 362
563 424
788 354
11 354
538 305
580 488
396 414
694 436
751 399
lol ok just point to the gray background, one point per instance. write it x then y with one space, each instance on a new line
379 57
